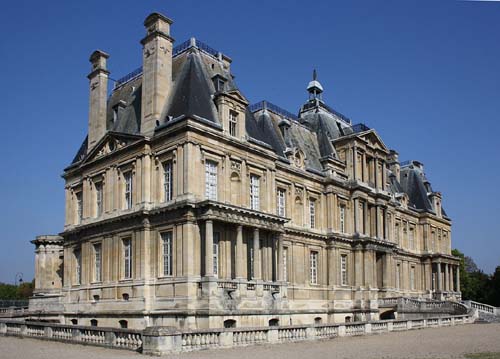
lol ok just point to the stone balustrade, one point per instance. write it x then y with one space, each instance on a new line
164 340
98 336
485 308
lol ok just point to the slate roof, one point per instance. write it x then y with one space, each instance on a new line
193 90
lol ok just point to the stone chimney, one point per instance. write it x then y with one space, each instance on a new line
394 166
98 78
156 71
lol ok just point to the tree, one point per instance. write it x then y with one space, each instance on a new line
475 284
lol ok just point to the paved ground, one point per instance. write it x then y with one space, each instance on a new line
442 343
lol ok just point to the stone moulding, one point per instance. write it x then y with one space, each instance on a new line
167 340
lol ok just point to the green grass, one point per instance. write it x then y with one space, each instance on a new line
483 356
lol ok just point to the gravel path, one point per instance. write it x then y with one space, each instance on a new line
442 343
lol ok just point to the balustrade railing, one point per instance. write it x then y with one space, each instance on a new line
170 341
99 336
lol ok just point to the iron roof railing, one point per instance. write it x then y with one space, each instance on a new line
128 77
273 108
193 42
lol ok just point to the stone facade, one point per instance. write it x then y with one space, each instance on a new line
187 207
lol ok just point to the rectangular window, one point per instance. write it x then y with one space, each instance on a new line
281 201
254 192
312 213
285 264
167 251
233 123
78 266
411 239
211 180
99 198
396 232
127 258
128 189
168 181
216 253
97 262
79 207
342 219
343 269
314 267
412 278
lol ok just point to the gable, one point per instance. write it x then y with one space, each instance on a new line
374 140
110 143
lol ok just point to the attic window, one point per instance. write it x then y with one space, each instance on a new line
219 83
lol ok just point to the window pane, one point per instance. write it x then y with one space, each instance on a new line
254 192
127 258
211 180
167 247
98 263
167 181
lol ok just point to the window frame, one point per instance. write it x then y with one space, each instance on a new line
344 279
211 180
97 262
233 123
168 180
342 211
254 192
312 213
99 198
281 201
128 188
127 257
216 253
167 237
313 267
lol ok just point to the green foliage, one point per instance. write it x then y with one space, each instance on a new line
475 284
12 292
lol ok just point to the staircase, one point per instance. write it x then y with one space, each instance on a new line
485 313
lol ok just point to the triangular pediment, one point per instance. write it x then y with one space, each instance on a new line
373 139
110 143
238 96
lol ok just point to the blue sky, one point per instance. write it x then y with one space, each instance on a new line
426 75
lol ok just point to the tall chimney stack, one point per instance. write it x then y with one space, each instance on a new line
156 70
98 97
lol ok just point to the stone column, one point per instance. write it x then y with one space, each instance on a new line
279 275
239 260
356 215
446 276
378 227
458 279
439 281
358 266
256 255
209 247
365 217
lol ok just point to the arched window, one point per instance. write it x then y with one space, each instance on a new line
318 320
348 319
74 321
93 322
230 323
123 324
274 322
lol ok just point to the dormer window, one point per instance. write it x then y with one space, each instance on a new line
233 123
219 83
117 109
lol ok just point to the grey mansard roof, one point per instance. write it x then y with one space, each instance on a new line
194 66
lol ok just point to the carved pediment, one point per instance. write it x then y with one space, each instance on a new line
110 143
237 95
374 140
